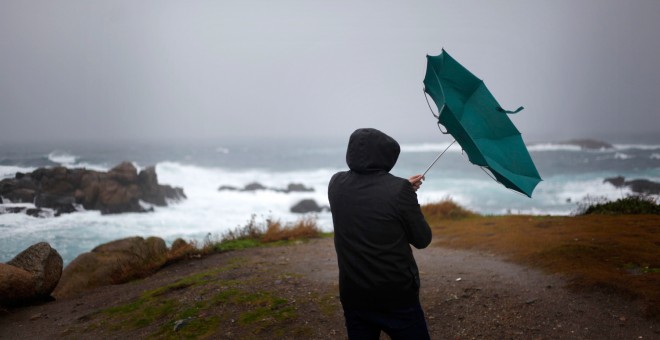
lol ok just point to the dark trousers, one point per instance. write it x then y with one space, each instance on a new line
399 323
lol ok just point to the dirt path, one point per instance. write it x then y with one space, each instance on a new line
465 295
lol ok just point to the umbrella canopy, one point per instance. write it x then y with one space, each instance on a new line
470 113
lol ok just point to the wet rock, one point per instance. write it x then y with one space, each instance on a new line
297 187
306 206
119 190
154 193
36 212
11 210
638 186
254 187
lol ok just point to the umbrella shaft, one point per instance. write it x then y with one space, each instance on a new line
437 158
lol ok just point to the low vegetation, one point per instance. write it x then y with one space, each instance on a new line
252 234
608 247
270 232
221 301
445 209
634 204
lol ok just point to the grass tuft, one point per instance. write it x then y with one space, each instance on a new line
271 231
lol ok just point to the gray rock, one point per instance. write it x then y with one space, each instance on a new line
306 206
254 187
638 186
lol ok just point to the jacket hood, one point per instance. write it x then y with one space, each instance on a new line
370 150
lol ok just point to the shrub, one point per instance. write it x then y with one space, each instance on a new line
253 234
446 209
634 204
305 227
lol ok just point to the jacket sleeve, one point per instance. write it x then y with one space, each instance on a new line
416 227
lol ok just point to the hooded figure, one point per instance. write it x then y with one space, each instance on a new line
376 218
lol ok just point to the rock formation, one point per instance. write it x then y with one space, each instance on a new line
638 186
119 190
31 275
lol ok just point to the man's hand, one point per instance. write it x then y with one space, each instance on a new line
416 181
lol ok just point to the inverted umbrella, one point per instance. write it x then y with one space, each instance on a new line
470 113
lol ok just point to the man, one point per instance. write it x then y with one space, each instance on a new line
376 218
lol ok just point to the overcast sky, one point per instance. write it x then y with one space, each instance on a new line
168 70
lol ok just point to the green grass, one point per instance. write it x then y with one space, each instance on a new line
258 309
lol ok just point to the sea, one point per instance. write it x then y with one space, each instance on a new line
571 175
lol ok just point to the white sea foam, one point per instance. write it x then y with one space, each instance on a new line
553 147
636 146
623 156
655 156
62 158
8 171
429 147
222 150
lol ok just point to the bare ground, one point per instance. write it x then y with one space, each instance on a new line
466 295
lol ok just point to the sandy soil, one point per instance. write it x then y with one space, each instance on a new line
465 295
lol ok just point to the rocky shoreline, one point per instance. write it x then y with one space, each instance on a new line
637 186
121 189
37 274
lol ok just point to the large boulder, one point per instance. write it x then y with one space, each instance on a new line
33 274
112 263
16 285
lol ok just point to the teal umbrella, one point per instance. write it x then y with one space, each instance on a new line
470 113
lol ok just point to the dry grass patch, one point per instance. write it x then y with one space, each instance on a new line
617 253
444 209
304 228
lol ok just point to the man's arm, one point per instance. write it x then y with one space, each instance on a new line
416 228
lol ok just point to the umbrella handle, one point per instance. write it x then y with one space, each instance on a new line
437 158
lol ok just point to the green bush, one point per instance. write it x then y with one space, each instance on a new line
635 204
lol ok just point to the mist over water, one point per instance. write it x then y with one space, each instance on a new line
569 175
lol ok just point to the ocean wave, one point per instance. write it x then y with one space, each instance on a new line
636 147
62 158
222 150
429 147
553 147
9 171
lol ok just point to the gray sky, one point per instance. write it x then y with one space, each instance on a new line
98 70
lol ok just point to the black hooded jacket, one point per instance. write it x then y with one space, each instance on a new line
376 218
